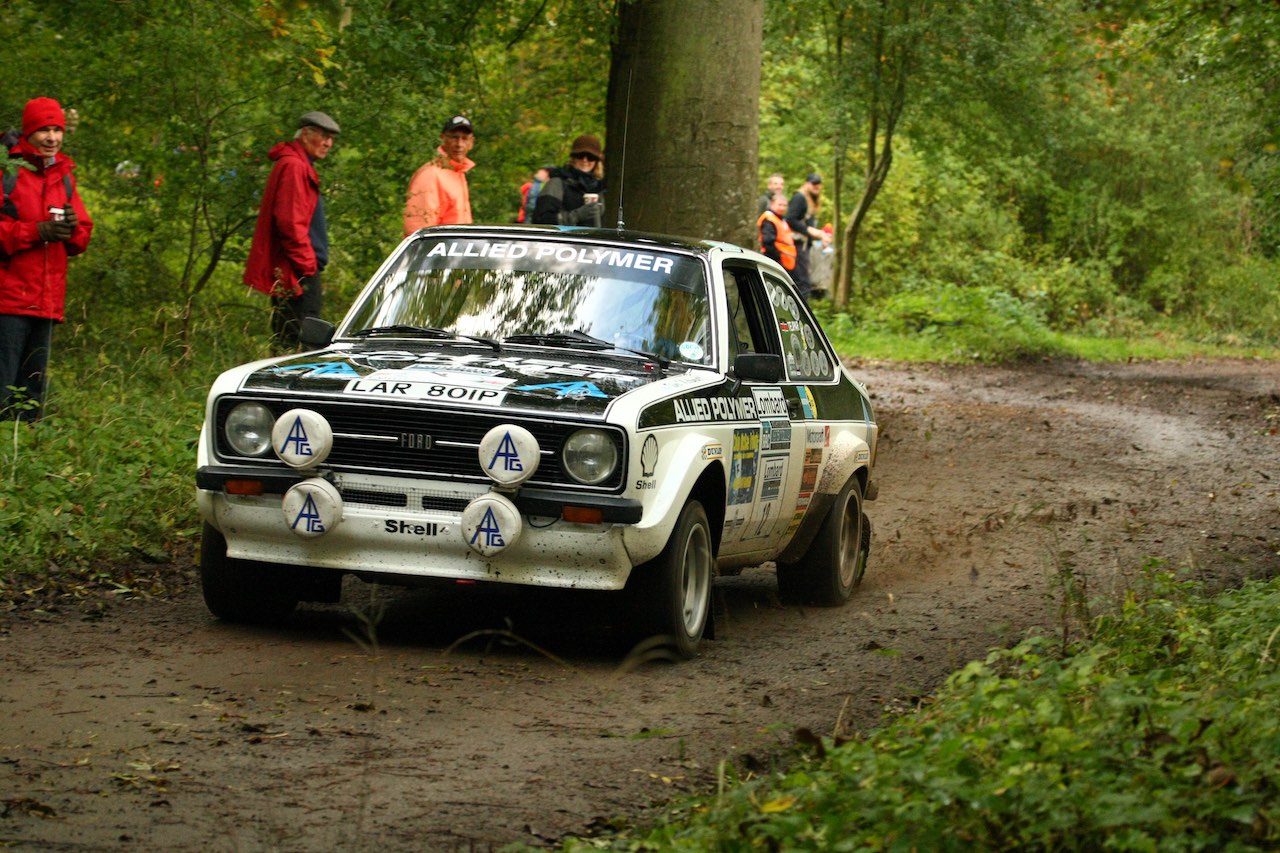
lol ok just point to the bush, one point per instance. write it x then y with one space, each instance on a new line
1161 732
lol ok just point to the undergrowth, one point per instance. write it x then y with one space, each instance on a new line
104 483
1159 732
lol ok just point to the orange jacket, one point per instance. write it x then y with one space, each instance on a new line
438 194
783 249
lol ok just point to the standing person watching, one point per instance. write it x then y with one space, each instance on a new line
776 240
775 185
42 223
291 241
573 196
802 216
438 193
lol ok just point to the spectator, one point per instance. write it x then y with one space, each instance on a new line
573 196
529 193
776 241
775 185
291 240
802 216
438 193
43 221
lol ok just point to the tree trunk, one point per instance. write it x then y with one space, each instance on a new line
683 118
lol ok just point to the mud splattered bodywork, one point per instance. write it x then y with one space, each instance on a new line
569 408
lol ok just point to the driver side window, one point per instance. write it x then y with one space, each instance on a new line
746 329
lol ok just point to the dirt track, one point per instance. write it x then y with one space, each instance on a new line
155 727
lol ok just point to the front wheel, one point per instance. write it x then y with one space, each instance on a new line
242 590
837 558
671 594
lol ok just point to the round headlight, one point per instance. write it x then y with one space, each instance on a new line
248 429
590 456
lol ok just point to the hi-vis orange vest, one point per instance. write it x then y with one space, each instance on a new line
786 242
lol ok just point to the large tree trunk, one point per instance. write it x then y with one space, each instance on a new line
683 110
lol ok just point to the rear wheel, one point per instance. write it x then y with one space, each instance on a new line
671 594
243 590
836 560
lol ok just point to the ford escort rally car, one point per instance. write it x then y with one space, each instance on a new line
577 408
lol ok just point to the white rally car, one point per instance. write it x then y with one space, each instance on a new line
590 409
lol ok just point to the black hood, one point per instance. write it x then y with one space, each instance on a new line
525 378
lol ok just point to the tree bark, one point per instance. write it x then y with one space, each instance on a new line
683 118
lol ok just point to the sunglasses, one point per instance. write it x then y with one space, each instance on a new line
582 155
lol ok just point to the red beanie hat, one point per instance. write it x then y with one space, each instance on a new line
42 112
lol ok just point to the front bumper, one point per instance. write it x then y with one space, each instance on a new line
423 535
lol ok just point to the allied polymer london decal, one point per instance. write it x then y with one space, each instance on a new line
763 403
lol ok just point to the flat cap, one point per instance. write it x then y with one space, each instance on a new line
315 118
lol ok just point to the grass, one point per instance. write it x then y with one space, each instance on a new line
1161 731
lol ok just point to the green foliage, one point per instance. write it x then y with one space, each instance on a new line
106 474
1160 732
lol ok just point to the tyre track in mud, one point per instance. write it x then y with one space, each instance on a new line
358 727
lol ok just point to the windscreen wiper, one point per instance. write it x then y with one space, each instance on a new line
579 338
424 332
560 339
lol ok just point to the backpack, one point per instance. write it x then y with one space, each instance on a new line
7 207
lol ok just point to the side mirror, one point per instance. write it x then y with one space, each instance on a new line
316 333
758 367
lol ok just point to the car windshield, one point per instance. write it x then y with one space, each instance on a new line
543 292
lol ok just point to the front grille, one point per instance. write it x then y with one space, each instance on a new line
389 439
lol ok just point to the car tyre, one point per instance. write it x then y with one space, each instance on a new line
836 560
242 590
671 594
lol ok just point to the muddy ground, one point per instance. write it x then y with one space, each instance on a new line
151 726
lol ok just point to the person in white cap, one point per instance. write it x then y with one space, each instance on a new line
438 193
291 241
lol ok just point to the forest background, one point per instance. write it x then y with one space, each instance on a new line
1005 178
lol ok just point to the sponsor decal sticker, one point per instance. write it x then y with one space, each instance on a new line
570 390
746 453
408 528
587 256
318 368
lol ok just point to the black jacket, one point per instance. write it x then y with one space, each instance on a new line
563 194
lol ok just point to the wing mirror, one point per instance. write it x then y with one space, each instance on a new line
316 333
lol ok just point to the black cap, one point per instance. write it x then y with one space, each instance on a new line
814 178
458 123
318 119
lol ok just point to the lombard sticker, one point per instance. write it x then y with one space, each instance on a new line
773 472
769 402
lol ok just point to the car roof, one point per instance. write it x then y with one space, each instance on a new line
571 233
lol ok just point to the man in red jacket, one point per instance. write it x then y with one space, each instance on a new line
291 241
42 223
